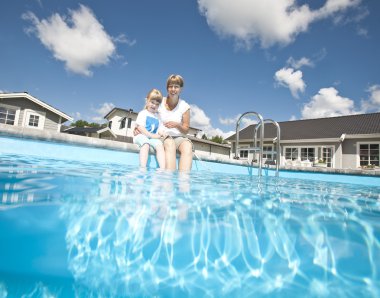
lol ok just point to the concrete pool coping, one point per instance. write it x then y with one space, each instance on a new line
52 136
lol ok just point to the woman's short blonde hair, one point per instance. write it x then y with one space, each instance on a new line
174 80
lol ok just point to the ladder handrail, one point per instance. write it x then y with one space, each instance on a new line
261 136
278 130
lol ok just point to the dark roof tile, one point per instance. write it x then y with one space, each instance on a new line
319 128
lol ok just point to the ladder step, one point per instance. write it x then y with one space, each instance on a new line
259 150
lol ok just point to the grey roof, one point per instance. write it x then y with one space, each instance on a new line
120 109
321 128
194 139
75 129
26 95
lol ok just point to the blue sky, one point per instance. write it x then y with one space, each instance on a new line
283 59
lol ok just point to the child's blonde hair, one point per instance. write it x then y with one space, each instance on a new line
153 94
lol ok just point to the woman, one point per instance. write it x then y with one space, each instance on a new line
174 113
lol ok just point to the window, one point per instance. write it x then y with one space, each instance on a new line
308 153
268 152
327 153
33 120
369 154
291 153
122 124
110 124
7 115
311 154
300 153
243 154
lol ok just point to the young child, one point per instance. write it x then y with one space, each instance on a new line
149 130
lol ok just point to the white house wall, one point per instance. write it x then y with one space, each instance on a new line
207 150
116 121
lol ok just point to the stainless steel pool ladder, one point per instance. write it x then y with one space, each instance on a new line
255 148
278 140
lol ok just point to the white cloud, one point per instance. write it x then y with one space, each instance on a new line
297 64
361 12
267 22
78 40
372 104
244 122
76 116
229 121
328 103
199 119
101 111
362 32
291 79
374 94
124 39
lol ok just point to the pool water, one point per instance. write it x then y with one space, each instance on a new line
98 229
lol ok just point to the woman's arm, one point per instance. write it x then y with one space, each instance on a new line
182 127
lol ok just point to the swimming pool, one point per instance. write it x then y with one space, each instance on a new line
82 222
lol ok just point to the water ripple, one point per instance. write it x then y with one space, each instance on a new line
132 232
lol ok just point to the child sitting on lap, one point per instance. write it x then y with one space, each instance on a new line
149 130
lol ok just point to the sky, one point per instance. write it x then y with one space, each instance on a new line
284 59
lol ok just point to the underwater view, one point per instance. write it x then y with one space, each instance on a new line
98 229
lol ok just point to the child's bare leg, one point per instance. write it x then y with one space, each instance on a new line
144 152
160 154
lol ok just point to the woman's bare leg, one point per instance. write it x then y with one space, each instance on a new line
186 159
170 154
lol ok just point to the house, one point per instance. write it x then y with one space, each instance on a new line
24 110
93 132
122 123
341 142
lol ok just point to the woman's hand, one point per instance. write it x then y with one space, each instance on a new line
172 124
182 127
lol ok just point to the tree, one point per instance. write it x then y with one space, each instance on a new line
217 139
84 123
204 137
